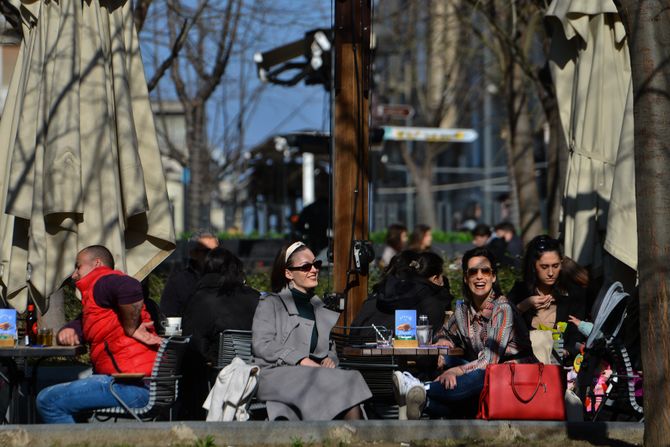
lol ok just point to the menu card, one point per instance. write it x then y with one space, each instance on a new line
7 327
405 324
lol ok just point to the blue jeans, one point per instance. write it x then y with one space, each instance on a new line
58 404
450 403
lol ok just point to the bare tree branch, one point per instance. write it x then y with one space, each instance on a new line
182 36
140 13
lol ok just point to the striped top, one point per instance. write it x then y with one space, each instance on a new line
495 334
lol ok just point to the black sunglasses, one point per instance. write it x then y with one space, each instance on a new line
307 267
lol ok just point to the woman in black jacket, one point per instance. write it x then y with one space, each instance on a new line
221 301
412 281
547 296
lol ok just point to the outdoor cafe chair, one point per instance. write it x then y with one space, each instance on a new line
163 385
237 343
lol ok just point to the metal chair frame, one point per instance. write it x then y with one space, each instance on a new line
163 385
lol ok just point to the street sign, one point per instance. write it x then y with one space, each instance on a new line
430 134
394 111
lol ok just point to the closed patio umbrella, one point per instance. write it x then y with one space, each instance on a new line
590 64
78 144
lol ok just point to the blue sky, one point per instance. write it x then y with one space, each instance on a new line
265 25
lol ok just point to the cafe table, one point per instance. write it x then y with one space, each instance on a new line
18 360
372 350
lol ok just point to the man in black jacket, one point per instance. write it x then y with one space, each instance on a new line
181 283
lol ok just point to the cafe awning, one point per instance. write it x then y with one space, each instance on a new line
590 64
79 150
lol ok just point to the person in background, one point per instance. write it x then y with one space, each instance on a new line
546 296
507 232
506 245
396 238
115 323
181 282
312 225
421 238
481 235
412 281
221 301
488 329
299 377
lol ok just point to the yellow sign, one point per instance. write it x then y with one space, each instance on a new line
430 134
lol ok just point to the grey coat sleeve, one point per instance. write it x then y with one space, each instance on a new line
332 354
267 336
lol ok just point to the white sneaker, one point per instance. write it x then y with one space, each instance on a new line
416 401
402 383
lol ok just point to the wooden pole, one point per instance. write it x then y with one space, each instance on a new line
350 158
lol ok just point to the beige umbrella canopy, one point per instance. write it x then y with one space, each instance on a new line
78 144
590 63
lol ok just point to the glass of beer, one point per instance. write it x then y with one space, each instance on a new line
45 337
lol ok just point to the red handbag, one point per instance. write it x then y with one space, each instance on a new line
532 391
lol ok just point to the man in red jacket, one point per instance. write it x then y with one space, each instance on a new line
120 332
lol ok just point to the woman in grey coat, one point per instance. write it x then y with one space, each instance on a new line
291 341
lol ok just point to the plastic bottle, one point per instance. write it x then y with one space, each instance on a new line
31 325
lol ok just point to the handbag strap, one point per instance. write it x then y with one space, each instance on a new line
540 367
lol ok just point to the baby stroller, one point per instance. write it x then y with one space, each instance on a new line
612 343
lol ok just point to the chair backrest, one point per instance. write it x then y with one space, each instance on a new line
165 373
234 343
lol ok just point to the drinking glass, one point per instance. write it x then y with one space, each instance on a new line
384 337
45 337
424 335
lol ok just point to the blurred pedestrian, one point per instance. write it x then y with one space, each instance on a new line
181 282
421 238
507 232
396 239
481 235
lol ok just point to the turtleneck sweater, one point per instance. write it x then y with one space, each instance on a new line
306 310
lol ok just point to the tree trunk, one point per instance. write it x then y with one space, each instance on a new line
200 185
557 159
522 163
425 202
649 41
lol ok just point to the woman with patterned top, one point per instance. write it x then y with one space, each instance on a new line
489 330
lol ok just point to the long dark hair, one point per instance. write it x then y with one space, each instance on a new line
278 278
399 267
409 264
429 264
228 266
474 253
417 236
534 251
394 236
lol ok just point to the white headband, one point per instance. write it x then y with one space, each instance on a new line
291 249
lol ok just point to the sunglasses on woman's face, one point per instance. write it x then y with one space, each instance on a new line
306 267
486 271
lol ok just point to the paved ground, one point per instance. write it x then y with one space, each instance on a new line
336 433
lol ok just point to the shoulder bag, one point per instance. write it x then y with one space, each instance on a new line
532 391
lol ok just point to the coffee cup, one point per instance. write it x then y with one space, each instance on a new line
172 326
